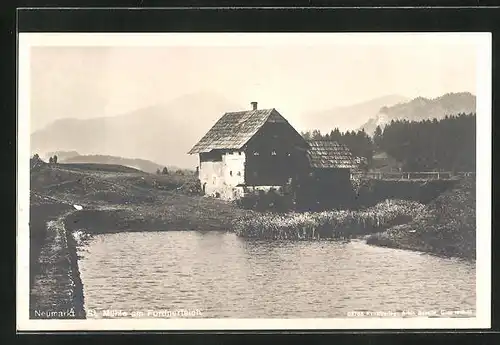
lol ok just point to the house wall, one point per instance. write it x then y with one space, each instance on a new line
275 154
221 174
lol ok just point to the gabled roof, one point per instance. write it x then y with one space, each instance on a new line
329 154
233 130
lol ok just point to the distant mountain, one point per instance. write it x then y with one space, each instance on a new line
421 108
162 133
136 163
349 117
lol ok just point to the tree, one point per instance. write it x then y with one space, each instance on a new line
316 135
335 135
55 159
306 135
377 136
431 145
158 171
165 171
51 160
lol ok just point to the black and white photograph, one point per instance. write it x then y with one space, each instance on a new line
254 181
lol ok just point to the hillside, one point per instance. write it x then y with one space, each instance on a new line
136 163
422 108
117 198
162 133
349 117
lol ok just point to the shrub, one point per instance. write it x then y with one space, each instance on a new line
192 187
272 201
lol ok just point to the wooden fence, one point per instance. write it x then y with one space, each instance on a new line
428 175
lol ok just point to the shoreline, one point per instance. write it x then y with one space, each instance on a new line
380 239
409 241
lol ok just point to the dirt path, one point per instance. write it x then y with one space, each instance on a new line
57 291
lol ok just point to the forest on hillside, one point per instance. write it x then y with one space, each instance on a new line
448 144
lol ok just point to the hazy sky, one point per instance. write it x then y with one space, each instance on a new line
85 82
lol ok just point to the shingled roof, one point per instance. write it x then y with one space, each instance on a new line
233 130
329 154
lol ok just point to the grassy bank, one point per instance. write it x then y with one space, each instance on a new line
328 224
118 200
446 226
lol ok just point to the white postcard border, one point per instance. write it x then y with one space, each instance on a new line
483 43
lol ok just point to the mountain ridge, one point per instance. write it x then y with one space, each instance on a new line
421 108
349 117
161 132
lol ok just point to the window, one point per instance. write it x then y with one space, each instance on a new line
255 153
230 173
239 173
273 153
239 153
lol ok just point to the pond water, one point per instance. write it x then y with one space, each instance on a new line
217 275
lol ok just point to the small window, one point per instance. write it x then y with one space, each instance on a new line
288 154
230 173
255 153
273 153
239 173
239 153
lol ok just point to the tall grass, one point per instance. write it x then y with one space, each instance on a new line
328 224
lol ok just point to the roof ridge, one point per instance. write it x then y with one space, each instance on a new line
249 110
233 130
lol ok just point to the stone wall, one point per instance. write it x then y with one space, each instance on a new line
221 178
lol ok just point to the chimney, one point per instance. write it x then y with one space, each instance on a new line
254 105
